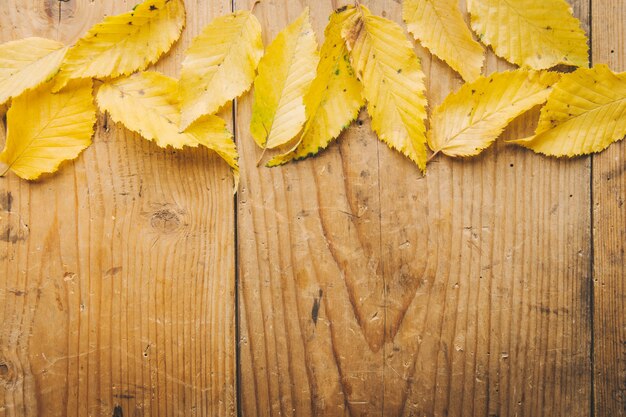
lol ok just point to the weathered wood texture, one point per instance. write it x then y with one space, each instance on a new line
609 230
367 289
490 287
117 273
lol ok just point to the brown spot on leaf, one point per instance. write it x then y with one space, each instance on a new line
354 33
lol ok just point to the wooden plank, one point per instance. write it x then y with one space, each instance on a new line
609 230
367 289
117 273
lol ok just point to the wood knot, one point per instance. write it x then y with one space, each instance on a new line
166 220
7 376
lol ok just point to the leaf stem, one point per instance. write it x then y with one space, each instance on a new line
254 5
432 156
258 162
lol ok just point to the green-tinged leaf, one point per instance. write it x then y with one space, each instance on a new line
393 82
334 99
285 75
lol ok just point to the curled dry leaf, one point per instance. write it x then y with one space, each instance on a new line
584 114
537 34
125 43
285 75
45 129
472 118
393 82
440 27
219 65
26 64
334 99
147 103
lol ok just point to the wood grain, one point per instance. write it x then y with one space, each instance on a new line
609 230
492 286
117 274
368 289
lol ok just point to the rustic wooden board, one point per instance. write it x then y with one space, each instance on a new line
117 274
368 289
492 286
609 230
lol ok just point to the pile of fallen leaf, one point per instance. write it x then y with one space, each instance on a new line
304 99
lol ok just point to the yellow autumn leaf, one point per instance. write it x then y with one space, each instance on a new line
285 74
45 129
537 34
147 103
393 82
124 43
334 99
585 113
27 63
439 26
472 118
219 65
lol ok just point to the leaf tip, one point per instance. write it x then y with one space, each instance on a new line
60 82
277 161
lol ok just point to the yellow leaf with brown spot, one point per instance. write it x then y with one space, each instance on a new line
584 114
472 118
393 82
125 43
537 34
219 65
334 99
147 103
439 26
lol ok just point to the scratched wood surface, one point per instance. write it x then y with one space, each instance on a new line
367 289
116 274
609 231
489 287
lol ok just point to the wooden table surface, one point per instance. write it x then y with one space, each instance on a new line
133 284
